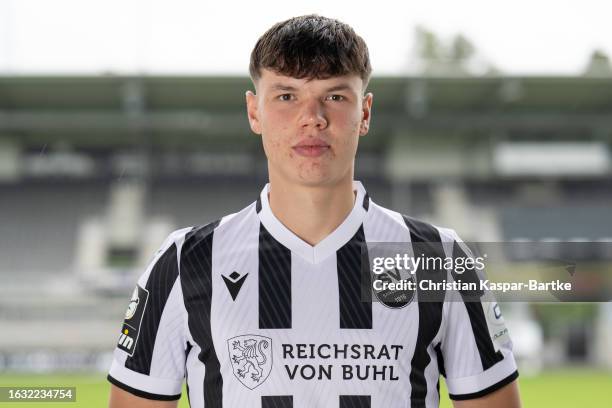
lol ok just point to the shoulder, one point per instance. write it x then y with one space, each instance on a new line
419 229
200 234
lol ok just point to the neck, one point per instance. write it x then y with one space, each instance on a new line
311 212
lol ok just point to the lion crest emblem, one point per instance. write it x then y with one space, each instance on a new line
251 358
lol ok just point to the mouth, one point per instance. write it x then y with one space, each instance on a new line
311 148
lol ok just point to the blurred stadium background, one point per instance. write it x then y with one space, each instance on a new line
95 171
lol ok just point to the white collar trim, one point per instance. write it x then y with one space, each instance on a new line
330 244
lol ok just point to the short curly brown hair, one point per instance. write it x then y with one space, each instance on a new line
311 46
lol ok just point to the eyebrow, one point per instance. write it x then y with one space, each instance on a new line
289 88
281 87
339 87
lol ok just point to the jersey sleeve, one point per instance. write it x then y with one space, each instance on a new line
149 359
475 352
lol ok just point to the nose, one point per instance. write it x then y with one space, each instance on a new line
313 115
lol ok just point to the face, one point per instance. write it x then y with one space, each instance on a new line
309 127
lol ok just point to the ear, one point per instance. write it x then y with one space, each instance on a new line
366 114
252 113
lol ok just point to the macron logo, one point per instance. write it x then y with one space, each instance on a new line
234 282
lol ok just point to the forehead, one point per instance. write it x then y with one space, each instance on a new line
270 81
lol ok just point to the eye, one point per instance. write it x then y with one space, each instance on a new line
336 98
285 97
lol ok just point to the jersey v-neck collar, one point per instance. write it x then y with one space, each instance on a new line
328 246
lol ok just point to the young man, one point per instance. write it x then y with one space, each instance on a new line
264 307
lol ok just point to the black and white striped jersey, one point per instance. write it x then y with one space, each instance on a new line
249 315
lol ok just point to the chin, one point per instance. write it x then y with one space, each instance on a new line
314 172
309 175
313 180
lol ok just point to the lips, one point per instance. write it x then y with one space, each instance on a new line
314 147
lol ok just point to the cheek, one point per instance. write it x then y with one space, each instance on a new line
276 145
356 122
352 121
276 123
356 126
271 146
351 130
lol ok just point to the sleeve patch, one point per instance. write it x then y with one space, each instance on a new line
133 319
497 325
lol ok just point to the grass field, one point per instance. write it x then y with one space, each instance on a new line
559 389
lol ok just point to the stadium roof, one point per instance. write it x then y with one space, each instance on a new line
111 110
